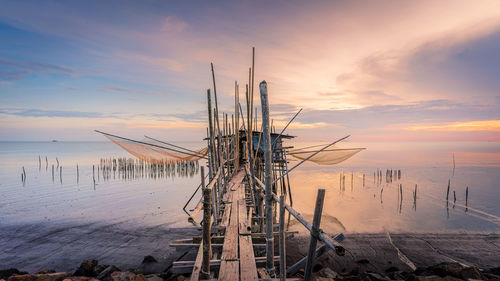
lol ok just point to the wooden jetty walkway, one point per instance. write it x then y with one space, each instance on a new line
245 200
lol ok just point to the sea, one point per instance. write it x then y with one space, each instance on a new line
435 187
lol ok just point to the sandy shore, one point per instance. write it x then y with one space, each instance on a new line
63 247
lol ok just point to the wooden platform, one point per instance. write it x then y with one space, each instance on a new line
237 261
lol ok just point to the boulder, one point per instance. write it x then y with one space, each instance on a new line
376 277
58 276
86 268
328 273
472 273
122 275
447 268
428 278
106 273
154 277
80 278
6 273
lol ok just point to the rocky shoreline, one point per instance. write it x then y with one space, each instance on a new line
91 270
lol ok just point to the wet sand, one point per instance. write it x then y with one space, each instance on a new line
35 247
62 247
405 251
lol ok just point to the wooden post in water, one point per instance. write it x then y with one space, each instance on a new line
282 243
60 173
315 231
211 136
77 174
448 192
267 177
207 246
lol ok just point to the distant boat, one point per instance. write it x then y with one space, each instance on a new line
54 140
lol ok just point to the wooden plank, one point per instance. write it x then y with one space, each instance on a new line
230 249
248 268
195 275
229 270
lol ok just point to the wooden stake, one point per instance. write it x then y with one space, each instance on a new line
282 242
207 242
268 177
315 231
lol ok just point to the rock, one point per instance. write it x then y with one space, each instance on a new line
363 261
154 277
451 278
149 259
428 278
376 277
397 275
447 268
472 273
392 269
328 273
80 278
138 277
494 270
59 276
181 278
46 271
319 278
122 275
6 273
86 268
106 273
349 278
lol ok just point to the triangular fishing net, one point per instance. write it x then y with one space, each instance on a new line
329 156
157 153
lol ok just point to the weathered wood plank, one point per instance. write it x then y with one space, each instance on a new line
195 275
229 270
248 268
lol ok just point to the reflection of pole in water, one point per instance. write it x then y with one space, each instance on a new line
401 197
381 191
77 174
454 199
60 174
363 180
448 192
352 180
52 173
39 163
466 199
415 198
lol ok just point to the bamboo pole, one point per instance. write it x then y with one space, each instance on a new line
315 231
211 132
268 177
207 246
282 243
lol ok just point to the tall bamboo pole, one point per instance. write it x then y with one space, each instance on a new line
211 131
268 177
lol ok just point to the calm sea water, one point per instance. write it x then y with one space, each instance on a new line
373 207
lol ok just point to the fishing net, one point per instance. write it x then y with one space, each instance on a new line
155 152
329 156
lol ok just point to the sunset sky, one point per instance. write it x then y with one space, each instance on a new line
379 70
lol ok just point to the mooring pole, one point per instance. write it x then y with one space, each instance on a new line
282 239
315 231
268 177
207 247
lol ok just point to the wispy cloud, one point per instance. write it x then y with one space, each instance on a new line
115 88
50 113
16 70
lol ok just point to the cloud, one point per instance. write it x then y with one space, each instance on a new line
173 24
115 88
50 113
17 70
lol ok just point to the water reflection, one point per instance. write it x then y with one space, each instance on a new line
363 207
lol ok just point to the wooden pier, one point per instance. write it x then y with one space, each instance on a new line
245 200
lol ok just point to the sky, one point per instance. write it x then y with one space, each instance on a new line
378 70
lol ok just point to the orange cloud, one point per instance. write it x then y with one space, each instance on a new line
483 125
